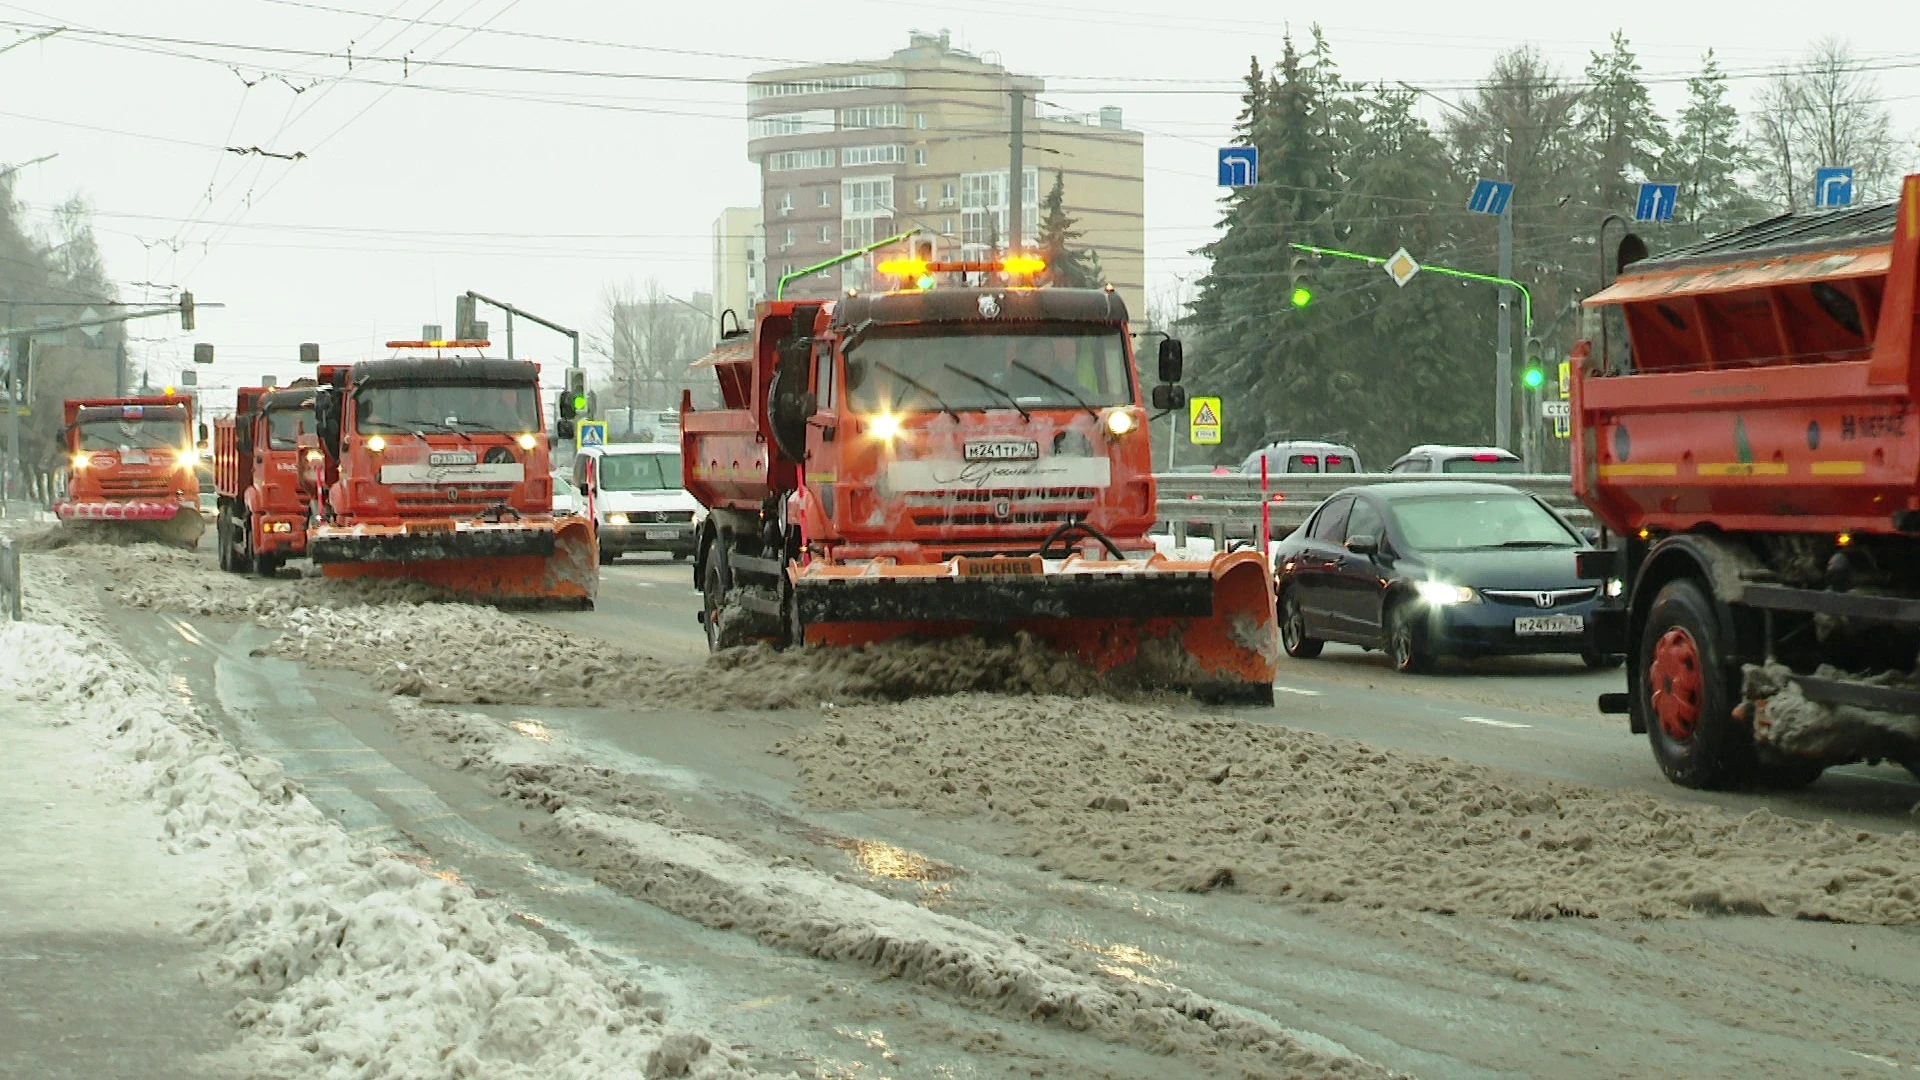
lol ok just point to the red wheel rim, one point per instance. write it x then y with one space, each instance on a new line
1675 683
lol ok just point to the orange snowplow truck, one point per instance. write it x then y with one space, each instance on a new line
940 460
131 468
1744 418
435 469
263 505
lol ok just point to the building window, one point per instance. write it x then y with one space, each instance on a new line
919 155
787 242
946 226
983 206
870 116
794 160
881 154
946 193
786 269
826 197
919 194
758 91
920 120
809 122
866 197
786 203
824 234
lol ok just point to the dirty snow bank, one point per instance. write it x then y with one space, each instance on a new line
358 964
630 837
1174 801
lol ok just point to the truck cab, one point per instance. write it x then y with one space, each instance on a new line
263 504
132 461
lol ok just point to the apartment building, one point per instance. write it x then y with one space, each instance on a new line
739 263
851 153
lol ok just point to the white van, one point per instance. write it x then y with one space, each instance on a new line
633 492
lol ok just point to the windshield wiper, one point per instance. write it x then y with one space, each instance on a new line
920 386
1057 385
413 427
971 377
1532 543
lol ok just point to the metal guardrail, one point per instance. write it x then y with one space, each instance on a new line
10 580
1228 507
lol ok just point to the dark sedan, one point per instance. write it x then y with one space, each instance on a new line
1445 568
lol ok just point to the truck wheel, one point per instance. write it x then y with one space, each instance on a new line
267 565
1687 695
223 539
1293 629
713 595
239 543
1407 646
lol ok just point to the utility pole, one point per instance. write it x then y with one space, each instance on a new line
531 317
1503 380
1016 168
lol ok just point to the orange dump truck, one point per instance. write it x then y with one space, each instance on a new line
435 469
943 460
131 465
1744 416
262 512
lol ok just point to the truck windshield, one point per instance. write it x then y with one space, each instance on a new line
509 408
1463 522
640 472
285 426
151 433
989 366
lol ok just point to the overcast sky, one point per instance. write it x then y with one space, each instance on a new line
542 187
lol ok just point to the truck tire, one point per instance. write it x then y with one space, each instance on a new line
267 565
714 588
1688 693
223 538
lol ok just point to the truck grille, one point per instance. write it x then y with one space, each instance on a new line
986 517
467 500
1012 495
135 485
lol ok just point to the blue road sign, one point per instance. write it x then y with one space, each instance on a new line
1656 202
1833 187
1490 197
591 433
1239 166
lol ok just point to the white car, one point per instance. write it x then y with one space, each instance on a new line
567 501
633 492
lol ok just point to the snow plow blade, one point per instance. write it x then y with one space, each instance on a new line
159 521
1205 627
513 562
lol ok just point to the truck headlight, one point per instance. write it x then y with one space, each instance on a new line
186 459
1119 422
1441 594
527 442
376 444
79 461
884 426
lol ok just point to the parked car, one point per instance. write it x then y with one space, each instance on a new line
634 492
1437 568
1303 456
1458 461
566 498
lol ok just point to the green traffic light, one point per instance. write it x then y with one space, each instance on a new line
1302 296
1534 378
579 402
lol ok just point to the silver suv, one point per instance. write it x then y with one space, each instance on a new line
1303 456
1459 461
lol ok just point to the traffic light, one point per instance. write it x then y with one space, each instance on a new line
186 310
573 402
1299 282
1534 377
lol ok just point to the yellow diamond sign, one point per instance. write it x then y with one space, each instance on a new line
1401 267
1203 421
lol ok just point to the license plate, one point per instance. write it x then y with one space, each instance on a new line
133 457
1003 450
1001 566
450 457
662 534
1549 624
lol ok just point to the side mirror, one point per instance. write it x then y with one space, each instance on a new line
1364 544
1591 535
203 434
1167 397
1173 360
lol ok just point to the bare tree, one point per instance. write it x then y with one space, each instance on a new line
647 337
1825 112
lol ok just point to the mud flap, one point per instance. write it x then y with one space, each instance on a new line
1204 627
522 563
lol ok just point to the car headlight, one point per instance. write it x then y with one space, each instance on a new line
1615 587
616 519
1440 593
1119 422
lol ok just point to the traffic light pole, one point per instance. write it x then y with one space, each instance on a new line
511 311
1503 392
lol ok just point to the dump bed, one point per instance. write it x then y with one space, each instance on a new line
1759 381
727 456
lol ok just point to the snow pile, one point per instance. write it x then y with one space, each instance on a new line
146 575
630 837
1150 797
359 964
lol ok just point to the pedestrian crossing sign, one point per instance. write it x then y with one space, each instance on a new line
1203 421
590 433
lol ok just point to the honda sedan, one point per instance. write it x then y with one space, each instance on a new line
1442 568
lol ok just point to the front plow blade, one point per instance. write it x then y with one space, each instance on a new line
1206 627
179 524
510 562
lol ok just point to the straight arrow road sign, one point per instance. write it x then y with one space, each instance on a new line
1490 197
1656 202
